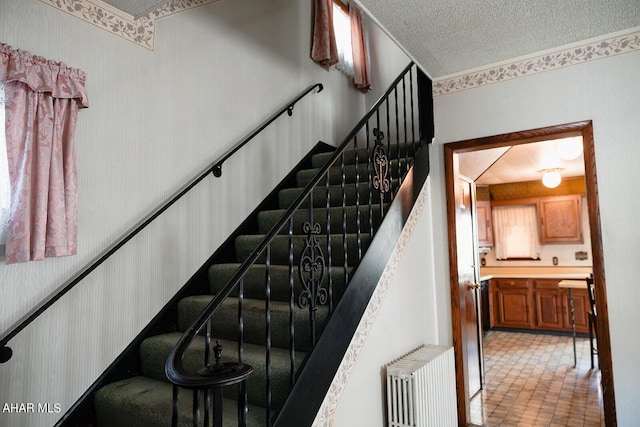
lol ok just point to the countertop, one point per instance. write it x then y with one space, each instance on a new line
568 273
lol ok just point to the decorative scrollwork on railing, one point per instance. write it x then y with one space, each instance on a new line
311 270
380 164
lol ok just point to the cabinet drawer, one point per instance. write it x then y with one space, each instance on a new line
512 283
546 284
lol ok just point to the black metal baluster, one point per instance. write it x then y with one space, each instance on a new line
207 405
176 404
358 219
207 363
381 166
404 110
311 270
344 221
196 408
389 151
329 261
267 303
370 179
413 126
406 167
243 407
292 330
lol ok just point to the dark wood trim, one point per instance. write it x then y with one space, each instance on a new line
449 174
604 337
584 128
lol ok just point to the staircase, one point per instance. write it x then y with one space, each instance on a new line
256 335
146 399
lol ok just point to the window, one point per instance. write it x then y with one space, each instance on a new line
516 232
339 40
5 193
342 29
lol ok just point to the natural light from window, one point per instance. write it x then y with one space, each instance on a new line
342 29
4 173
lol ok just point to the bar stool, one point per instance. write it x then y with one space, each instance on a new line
593 318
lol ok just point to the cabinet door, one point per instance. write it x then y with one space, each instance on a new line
513 308
560 219
548 303
485 231
581 307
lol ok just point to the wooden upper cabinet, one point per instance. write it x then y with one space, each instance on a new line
560 219
485 231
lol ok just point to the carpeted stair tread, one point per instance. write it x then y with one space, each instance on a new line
365 191
244 246
224 322
405 150
268 218
155 350
305 176
145 402
254 280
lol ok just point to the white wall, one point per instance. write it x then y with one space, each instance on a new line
606 91
156 119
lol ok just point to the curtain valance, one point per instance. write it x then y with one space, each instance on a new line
42 75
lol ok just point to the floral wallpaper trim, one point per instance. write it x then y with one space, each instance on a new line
324 418
139 31
593 50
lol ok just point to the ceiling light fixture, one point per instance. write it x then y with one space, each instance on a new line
569 148
551 177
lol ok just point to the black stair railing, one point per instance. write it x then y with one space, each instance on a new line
215 168
327 238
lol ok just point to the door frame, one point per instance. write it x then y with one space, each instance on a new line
585 128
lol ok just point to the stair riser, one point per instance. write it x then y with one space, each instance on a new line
267 219
280 248
404 150
254 282
365 191
363 173
224 322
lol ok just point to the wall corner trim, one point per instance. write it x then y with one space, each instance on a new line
140 31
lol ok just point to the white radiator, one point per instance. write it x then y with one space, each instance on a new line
421 389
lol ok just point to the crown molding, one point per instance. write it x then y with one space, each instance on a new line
140 31
577 53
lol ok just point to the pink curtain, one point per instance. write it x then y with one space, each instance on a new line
361 77
42 102
324 50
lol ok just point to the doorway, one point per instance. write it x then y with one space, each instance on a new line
584 128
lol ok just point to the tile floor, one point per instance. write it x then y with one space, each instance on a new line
531 381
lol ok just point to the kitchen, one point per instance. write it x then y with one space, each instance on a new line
530 237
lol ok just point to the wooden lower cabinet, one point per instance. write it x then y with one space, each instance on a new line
536 304
548 305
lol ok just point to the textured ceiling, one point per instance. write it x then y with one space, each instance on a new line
137 8
450 36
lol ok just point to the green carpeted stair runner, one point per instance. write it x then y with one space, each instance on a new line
146 399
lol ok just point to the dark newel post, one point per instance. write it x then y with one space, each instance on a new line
425 108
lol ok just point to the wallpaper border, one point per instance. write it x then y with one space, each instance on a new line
140 31
324 418
598 48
